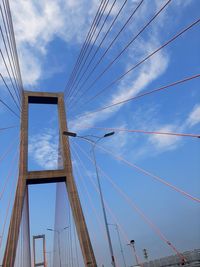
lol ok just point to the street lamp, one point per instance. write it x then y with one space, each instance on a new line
120 243
98 138
58 232
132 244
145 254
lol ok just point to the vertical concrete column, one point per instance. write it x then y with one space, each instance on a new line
14 228
79 219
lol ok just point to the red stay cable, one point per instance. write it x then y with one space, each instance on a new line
8 175
137 209
143 94
7 212
151 175
6 128
155 177
7 151
146 58
142 131
106 204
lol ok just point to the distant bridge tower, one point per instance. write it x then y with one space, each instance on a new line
49 176
44 262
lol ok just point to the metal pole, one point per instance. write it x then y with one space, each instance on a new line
135 255
132 244
58 232
103 208
44 252
50 259
120 243
59 248
50 265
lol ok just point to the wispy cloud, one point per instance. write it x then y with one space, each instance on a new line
129 87
148 73
165 142
43 149
162 143
135 83
139 146
37 23
194 116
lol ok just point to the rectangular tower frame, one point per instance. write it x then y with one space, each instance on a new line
48 176
43 263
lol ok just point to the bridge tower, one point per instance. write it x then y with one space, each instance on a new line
44 262
48 176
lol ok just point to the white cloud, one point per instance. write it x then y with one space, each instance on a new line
145 118
37 23
149 72
43 149
31 68
89 119
182 3
194 116
127 88
165 142
134 84
141 77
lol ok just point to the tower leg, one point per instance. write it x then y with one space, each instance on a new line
14 228
81 227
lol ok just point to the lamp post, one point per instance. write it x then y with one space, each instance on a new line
145 254
120 243
132 244
58 232
98 138
49 253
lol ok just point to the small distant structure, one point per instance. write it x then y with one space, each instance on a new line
43 263
145 254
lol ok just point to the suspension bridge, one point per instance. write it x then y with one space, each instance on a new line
96 184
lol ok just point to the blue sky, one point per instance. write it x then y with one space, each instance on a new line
49 36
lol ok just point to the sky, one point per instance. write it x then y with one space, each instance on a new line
49 36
